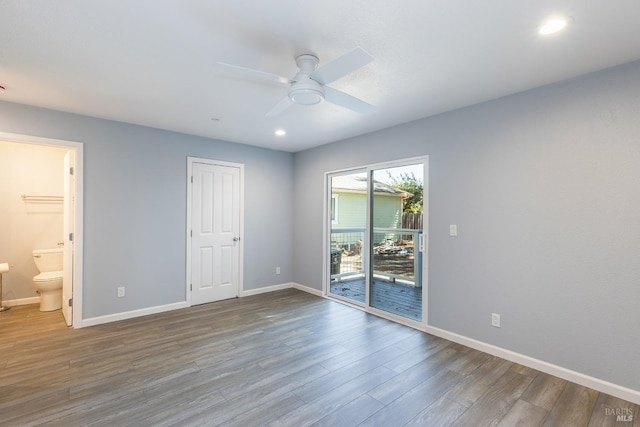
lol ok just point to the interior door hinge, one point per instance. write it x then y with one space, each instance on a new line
71 237
190 286
192 179
70 302
71 171
191 233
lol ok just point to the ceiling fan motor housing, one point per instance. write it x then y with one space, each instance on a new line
304 90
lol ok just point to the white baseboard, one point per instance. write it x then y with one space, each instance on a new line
540 365
21 301
307 289
280 287
266 289
131 314
162 308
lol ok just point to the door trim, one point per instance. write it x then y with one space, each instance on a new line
77 211
240 166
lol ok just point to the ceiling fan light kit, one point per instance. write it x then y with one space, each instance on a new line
306 92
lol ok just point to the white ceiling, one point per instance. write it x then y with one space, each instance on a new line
152 62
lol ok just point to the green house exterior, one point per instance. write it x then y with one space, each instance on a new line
351 210
349 207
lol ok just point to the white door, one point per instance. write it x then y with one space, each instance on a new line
68 229
215 232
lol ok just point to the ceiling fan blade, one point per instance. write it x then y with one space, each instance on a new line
347 101
341 66
238 71
282 105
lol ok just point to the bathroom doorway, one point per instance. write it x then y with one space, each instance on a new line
68 205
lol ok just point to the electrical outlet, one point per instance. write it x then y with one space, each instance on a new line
121 292
495 320
277 270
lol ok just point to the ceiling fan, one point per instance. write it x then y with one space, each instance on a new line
308 86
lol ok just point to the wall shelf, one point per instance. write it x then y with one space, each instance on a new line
42 199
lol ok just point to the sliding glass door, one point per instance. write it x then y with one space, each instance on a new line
397 241
376 239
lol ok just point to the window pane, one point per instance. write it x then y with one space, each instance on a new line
348 224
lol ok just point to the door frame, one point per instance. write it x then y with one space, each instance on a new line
68 230
326 288
214 162
78 228
326 237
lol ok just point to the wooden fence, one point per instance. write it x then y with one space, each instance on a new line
412 221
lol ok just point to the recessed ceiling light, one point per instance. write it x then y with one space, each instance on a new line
552 26
280 132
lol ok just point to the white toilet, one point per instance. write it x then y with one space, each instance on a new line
49 281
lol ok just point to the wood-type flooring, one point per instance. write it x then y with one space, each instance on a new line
284 358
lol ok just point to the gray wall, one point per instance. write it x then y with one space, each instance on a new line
545 189
135 206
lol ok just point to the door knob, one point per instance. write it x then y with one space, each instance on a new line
235 239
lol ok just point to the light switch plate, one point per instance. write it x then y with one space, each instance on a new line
495 320
453 230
